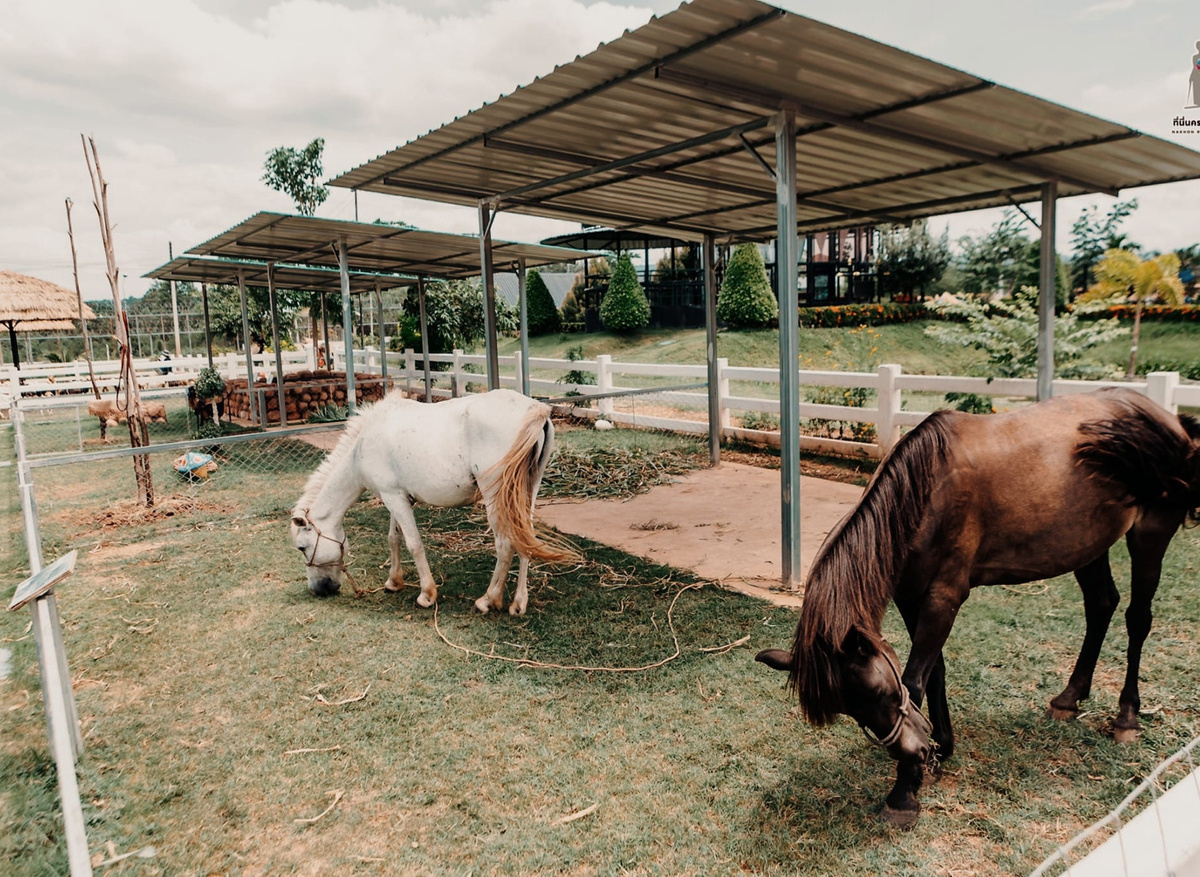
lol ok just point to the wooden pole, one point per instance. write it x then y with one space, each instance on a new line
87 342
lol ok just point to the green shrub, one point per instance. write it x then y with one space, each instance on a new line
1189 370
745 299
972 403
763 420
209 384
1164 313
572 311
836 316
625 308
329 414
543 315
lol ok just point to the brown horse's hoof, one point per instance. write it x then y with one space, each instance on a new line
902 819
1061 715
1126 735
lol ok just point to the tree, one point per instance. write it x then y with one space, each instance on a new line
745 299
1189 269
1005 259
910 259
625 308
1092 234
297 173
1007 332
225 310
454 314
543 315
1125 275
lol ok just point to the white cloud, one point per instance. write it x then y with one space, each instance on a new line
186 97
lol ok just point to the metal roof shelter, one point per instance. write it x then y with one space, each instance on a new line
242 272
738 120
280 237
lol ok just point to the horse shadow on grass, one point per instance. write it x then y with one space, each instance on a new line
1014 769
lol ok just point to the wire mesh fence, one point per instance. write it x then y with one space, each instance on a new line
1154 832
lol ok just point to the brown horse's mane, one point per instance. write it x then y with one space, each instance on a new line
854 574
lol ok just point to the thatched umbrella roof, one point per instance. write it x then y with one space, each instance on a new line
24 298
28 304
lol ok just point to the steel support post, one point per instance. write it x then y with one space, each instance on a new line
250 398
207 326
710 334
424 339
277 347
787 252
347 322
489 295
522 300
382 344
1046 293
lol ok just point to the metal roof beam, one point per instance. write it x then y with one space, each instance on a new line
679 54
966 165
775 100
630 160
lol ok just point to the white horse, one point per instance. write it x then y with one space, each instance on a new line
495 445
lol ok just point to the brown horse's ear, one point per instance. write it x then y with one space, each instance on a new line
859 643
776 659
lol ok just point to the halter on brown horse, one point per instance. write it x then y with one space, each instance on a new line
967 500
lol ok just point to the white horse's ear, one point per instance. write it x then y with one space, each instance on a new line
298 521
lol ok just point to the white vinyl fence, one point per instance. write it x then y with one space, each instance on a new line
886 400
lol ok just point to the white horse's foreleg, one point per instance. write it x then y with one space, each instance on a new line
494 597
402 514
521 597
395 579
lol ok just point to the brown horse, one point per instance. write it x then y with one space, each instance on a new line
966 500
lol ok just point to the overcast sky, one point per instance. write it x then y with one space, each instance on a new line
186 97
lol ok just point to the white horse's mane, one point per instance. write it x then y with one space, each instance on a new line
354 426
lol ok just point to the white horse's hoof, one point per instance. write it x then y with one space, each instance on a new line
516 609
426 600
392 586
483 607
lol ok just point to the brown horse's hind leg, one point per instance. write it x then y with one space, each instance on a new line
1147 544
1100 600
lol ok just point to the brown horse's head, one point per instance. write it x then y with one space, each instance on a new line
324 551
860 679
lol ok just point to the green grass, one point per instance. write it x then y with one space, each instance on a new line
198 655
905 344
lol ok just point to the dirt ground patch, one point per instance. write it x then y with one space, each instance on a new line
723 524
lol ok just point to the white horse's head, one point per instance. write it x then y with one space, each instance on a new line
324 551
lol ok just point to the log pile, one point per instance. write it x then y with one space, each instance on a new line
304 393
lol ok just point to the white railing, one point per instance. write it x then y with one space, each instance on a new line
900 400
894 400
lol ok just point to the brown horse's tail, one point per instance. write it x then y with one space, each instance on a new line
1148 457
513 482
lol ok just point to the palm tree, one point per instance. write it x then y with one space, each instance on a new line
1124 274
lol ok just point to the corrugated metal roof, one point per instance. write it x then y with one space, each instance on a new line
206 269
307 240
882 134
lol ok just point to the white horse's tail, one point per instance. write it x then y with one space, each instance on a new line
512 487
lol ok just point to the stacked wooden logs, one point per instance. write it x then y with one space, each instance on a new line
304 394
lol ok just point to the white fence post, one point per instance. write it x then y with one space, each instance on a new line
456 375
887 430
1160 388
725 419
310 358
410 366
518 371
604 382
